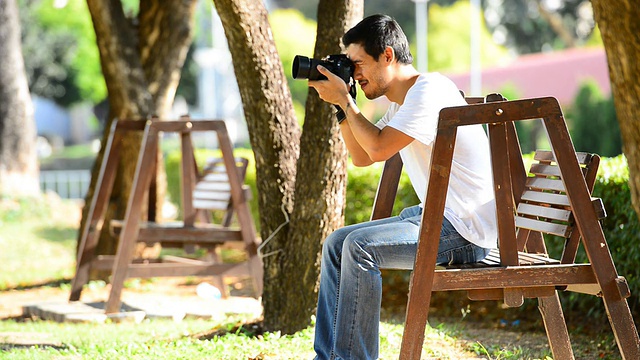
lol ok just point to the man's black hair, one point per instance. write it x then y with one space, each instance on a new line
375 33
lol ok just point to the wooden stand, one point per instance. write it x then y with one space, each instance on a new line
556 200
185 234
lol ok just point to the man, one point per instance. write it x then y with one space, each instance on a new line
350 292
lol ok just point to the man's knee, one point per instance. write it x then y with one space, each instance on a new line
355 243
333 243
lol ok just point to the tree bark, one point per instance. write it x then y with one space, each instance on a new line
141 61
620 29
18 160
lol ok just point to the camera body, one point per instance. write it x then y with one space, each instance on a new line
339 64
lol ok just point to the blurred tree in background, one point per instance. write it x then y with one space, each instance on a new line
529 26
62 60
18 161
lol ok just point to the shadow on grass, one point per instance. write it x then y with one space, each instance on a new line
55 283
251 329
11 346
57 234
28 340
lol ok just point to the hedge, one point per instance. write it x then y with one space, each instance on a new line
621 227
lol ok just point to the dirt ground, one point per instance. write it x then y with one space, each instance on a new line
165 296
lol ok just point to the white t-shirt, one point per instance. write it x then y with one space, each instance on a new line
470 203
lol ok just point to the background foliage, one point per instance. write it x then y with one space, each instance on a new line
61 56
593 121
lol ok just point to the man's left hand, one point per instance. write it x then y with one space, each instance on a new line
333 90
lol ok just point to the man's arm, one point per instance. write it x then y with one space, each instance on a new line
366 143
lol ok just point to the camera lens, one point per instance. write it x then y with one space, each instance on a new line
301 67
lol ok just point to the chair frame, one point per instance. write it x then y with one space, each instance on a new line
512 281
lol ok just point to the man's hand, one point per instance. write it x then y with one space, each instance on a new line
333 90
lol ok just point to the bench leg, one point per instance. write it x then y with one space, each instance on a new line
257 273
622 325
556 327
214 257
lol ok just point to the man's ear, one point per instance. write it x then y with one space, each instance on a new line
389 55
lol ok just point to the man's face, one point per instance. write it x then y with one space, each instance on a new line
369 73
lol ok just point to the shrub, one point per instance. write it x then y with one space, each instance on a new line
362 184
621 227
593 122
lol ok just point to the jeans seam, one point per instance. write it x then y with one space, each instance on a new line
332 354
353 321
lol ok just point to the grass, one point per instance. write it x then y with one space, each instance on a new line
165 339
38 239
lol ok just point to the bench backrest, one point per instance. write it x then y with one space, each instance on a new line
212 191
544 206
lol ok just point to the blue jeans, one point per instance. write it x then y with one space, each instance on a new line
348 313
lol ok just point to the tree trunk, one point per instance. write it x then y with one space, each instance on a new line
291 253
320 185
620 29
273 129
141 64
18 160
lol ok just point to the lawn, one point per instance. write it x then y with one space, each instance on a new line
38 242
37 238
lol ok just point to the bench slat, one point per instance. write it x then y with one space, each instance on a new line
545 170
215 177
547 198
544 156
210 204
545 184
211 195
544 211
543 226
213 186
547 156
493 259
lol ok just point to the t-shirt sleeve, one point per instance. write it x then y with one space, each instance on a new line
418 116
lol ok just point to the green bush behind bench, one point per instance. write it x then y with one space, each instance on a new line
621 227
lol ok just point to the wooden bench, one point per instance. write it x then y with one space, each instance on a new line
552 198
187 234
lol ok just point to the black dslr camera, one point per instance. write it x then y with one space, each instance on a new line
340 64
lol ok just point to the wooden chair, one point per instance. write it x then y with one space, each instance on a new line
187 234
555 199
